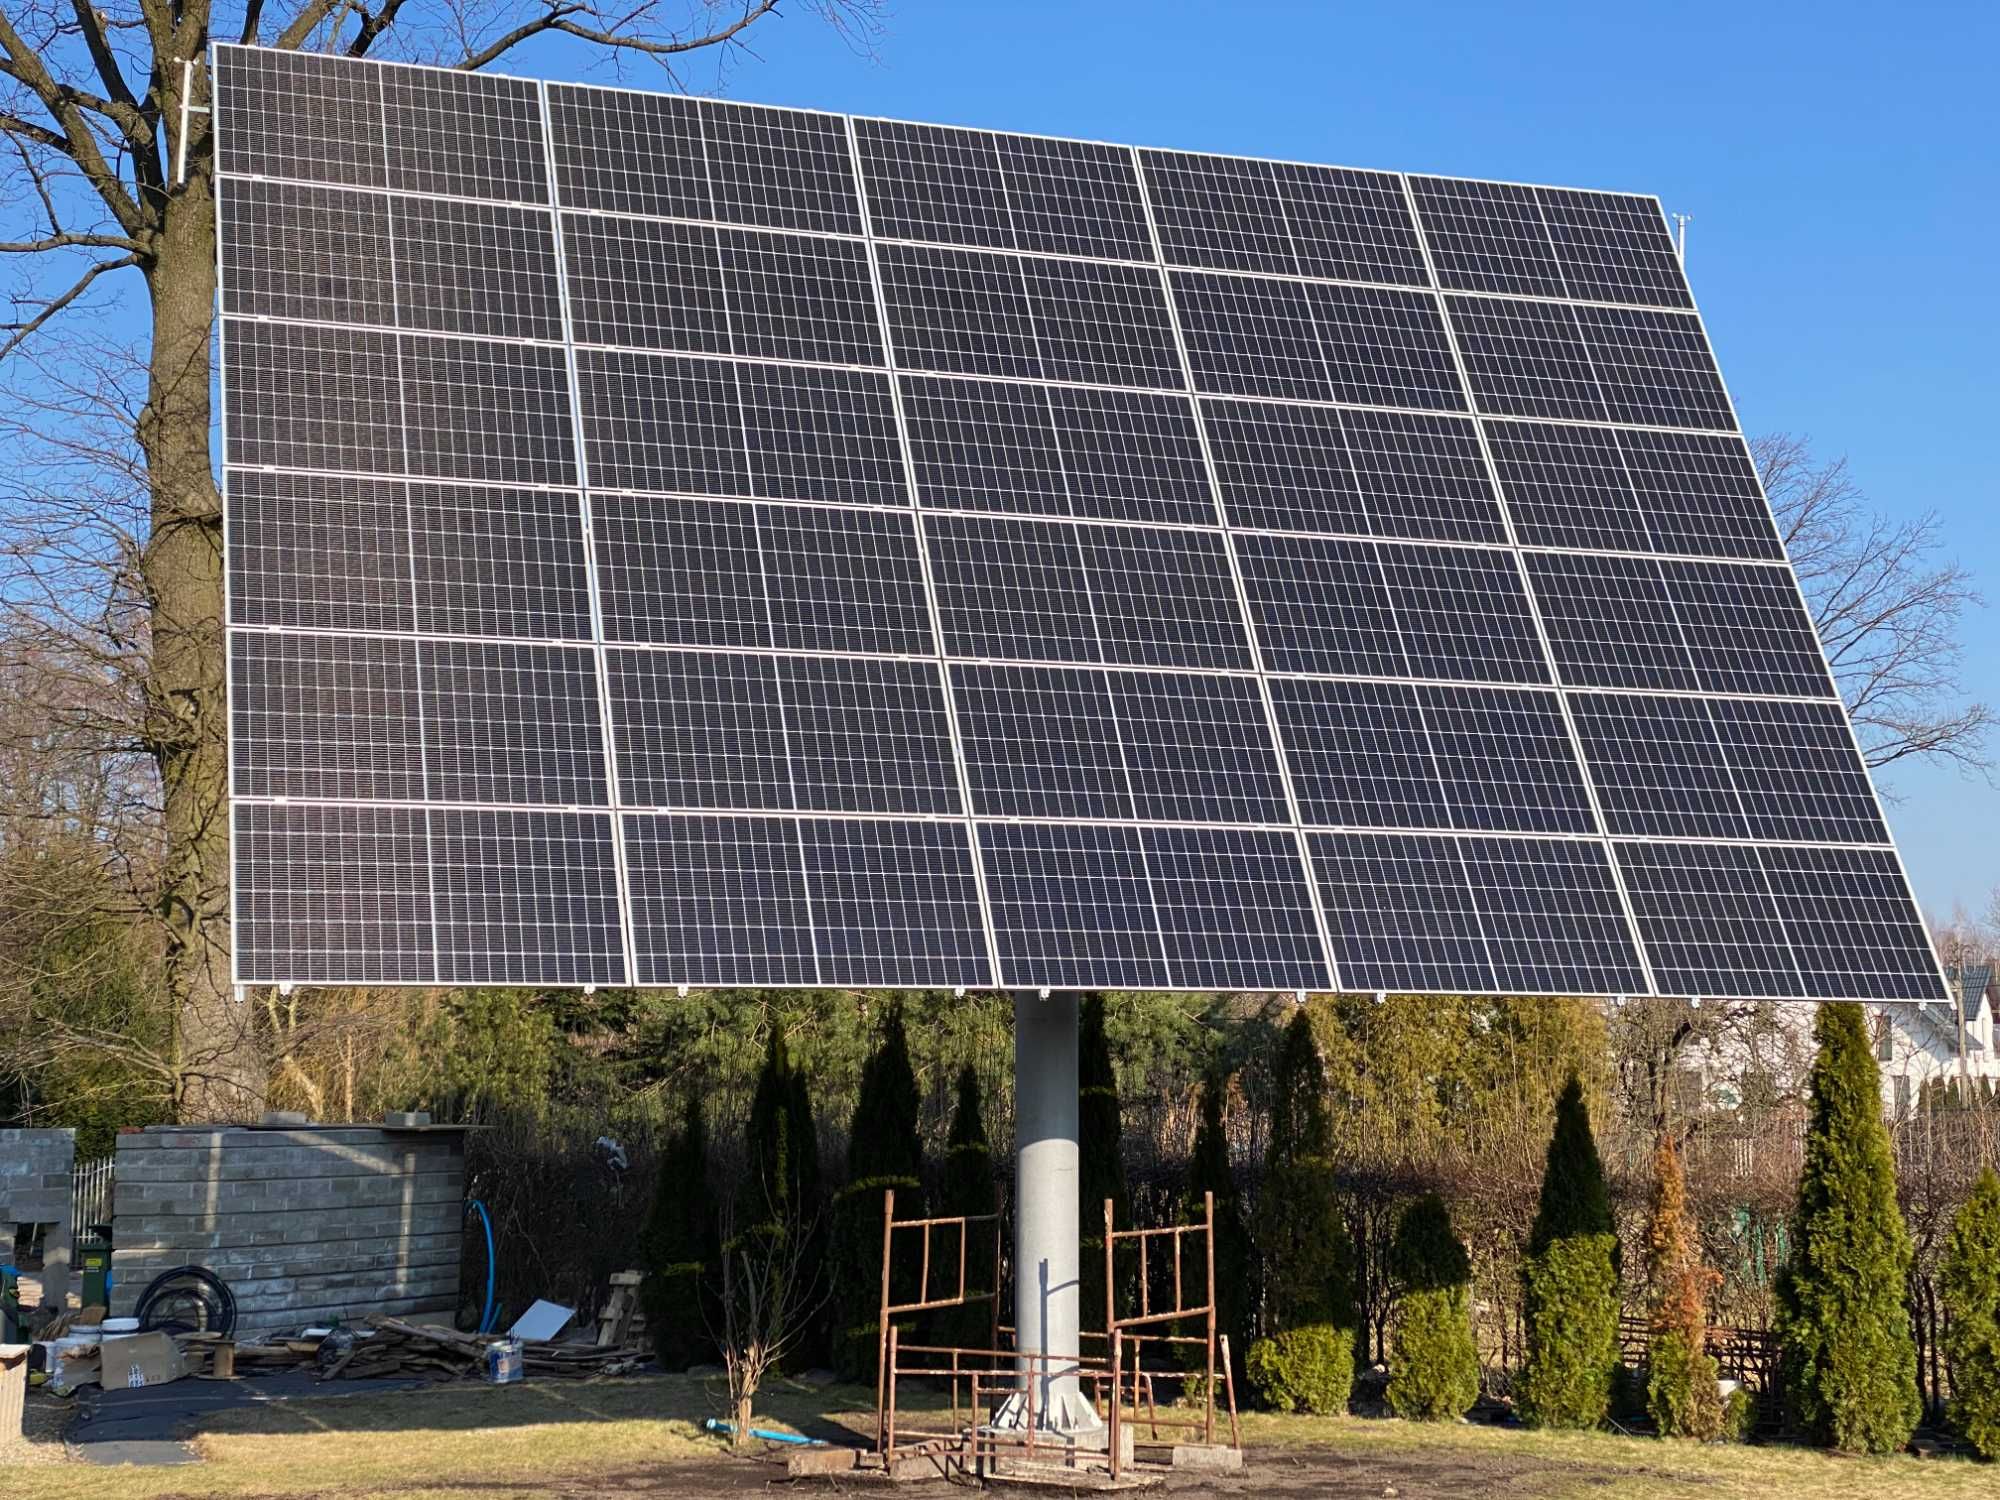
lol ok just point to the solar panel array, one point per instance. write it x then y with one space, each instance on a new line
674 541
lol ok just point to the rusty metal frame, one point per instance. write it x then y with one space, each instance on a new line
1128 1336
966 1442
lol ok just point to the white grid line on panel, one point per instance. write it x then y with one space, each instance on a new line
1019 252
778 685
1058 382
1090 603
889 355
1060 820
1826 664
600 654
228 610
1137 523
1535 613
410 532
1276 674
1124 757
1244 614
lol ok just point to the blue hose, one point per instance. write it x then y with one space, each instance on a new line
714 1424
486 1314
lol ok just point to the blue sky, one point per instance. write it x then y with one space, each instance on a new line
1839 161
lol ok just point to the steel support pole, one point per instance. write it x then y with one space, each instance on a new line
1047 1236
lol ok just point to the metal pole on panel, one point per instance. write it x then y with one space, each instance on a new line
1047 1249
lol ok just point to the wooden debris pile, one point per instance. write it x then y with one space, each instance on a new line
389 1348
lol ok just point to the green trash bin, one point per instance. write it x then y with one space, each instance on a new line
93 1259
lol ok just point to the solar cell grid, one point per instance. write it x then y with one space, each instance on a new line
867 736
1488 237
342 893
699 730
931 182
1401 913
319 552
1321 605
1657 766
719 901
1074 198
1708 920
327 717
887 612
680 572
1131 456
292 250
1073 903
474 268
1218 211
1610 622
1198 748
1506 761
1421 476
1041 742
1349 225
1360 755
499 562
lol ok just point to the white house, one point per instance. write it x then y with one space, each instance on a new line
1924 1043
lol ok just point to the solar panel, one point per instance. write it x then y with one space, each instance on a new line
683 542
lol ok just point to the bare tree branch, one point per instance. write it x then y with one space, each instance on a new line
1889 607
23 331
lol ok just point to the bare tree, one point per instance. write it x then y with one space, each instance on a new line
1889 603
772 1289
110 519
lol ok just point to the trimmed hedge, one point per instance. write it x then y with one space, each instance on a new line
1572 1309
1308 1369
1433 1363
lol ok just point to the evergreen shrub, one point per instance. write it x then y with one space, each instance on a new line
1850 1357
1433 1363
1970 1278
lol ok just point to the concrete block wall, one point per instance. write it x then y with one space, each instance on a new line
304 1225
37 1178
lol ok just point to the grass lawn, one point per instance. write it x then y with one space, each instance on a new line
642 1438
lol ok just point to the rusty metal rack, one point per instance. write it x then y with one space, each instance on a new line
1130 1335
961 1441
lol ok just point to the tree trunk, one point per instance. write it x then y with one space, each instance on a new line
221 1072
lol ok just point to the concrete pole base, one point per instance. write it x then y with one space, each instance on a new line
1069 1418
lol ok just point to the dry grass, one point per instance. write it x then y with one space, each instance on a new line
1558 1465
642 1438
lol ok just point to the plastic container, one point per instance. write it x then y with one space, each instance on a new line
118 1327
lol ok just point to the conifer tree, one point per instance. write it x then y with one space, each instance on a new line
781 1189
1681 1390
1434 1363
678 1249
1209 1171
1570 1280
1305 1361
1970 1279
1100 1162
1850 1355
884 1152
970 1190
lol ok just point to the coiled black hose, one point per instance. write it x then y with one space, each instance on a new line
167 1305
